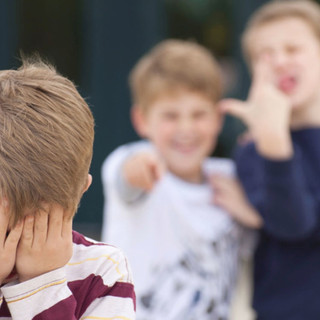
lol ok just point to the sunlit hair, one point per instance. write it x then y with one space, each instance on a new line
306 10
46 138
173 65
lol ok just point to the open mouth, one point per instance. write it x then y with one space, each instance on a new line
287 84
185 148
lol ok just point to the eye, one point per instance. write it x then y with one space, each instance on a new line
263 52
169 116
200 114
291 49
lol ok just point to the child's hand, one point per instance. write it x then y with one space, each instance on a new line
229 195
267 113
45 244
143 170
8 243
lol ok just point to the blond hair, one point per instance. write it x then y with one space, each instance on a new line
172 65
306 10
46 138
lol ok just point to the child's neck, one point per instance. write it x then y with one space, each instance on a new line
194 177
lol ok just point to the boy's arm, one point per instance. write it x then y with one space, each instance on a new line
132 170
229 195
44 297
44 249
279 192
47 291
97 291
9 240
267 113
142 170
111 295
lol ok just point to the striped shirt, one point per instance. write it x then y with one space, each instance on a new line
95 284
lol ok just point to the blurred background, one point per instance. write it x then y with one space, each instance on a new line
95 43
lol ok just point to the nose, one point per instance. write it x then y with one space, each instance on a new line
186 124
279 59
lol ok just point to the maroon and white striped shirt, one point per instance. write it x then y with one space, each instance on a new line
95 284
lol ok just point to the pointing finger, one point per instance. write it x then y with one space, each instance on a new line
262 75
27 232
234 107
14 236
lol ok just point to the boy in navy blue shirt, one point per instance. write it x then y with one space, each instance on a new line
280 168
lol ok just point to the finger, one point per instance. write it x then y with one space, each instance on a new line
234 107
27 232
147 171
55 222
14 236
4 223
41 226
219 181
245 138
158 170
221 200
262 75
218 200
147 177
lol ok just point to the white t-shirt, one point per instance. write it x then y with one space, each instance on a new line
183 250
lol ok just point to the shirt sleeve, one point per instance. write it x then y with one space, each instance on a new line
279 191
111 172
29 299
113 292
127 193
104 293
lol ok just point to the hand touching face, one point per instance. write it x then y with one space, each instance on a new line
42 242
8 243
45 243
294 52
267 113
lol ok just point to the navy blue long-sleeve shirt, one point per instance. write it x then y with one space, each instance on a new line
287 259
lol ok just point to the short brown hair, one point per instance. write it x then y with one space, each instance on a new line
172 65
306 10
46 138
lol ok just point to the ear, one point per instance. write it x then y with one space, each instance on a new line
89 181
138 119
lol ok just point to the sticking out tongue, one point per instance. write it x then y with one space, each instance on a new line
287 84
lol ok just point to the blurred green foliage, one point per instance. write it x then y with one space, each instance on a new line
209 22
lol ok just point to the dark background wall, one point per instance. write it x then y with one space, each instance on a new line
95 43
115 34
